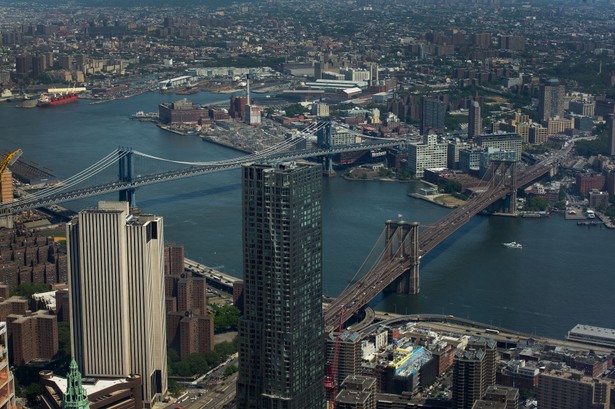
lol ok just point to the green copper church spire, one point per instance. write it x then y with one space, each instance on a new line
75 396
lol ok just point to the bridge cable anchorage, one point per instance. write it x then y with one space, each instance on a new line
85 174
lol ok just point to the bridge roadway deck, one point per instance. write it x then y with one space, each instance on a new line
388 270
195 170
211 273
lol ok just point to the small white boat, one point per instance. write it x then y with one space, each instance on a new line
513 245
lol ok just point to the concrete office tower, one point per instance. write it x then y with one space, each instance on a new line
432 115
117 317
611 129
475 122
281 363
551 100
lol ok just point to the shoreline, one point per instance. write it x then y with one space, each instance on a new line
207 138
430 200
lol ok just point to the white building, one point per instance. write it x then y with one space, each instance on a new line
428 154
320 109
117 311
356 74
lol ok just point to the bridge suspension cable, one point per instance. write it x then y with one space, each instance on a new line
79 177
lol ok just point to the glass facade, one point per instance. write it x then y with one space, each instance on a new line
281 360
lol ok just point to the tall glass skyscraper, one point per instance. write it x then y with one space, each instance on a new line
281 345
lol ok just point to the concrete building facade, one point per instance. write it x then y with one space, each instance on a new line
117 287
551 100
475 122
426 155
572 390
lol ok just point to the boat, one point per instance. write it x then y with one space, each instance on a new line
513 245
6 96
47 100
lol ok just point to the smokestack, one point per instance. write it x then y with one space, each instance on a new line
248 89
377 80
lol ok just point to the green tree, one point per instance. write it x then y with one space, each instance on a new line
450 186
226 318
231 369
27 290
295 110
536 204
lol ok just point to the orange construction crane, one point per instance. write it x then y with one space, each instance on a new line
331 375
9 160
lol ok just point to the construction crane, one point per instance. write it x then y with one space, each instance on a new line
332 367
9 160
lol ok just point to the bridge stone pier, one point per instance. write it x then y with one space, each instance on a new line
504 172
402 241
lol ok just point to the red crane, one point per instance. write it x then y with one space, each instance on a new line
331 374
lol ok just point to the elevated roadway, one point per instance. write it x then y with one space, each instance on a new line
389 269
145 180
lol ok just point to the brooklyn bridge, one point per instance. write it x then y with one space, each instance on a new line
404 243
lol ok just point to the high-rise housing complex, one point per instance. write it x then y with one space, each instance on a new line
432 115
430 154
468 378
474 370
551 100
504 141
33 336
116 283
475 122
281 345
7 382
572 390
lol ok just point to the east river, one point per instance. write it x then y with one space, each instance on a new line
564 274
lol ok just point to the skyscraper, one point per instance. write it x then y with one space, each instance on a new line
432 115
281 344
475 123
551 100
117 317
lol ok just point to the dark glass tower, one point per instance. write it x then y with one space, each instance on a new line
281 359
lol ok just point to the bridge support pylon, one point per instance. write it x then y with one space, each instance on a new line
7 219
402 241
126 175
504 172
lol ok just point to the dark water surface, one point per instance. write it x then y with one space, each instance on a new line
564 275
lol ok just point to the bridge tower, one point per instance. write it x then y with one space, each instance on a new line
503 172
126 175
402 241
323 139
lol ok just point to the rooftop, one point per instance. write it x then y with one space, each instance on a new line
588 330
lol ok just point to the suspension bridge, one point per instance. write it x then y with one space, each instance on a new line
396 265
80 186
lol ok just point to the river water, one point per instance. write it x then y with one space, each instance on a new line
564 274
